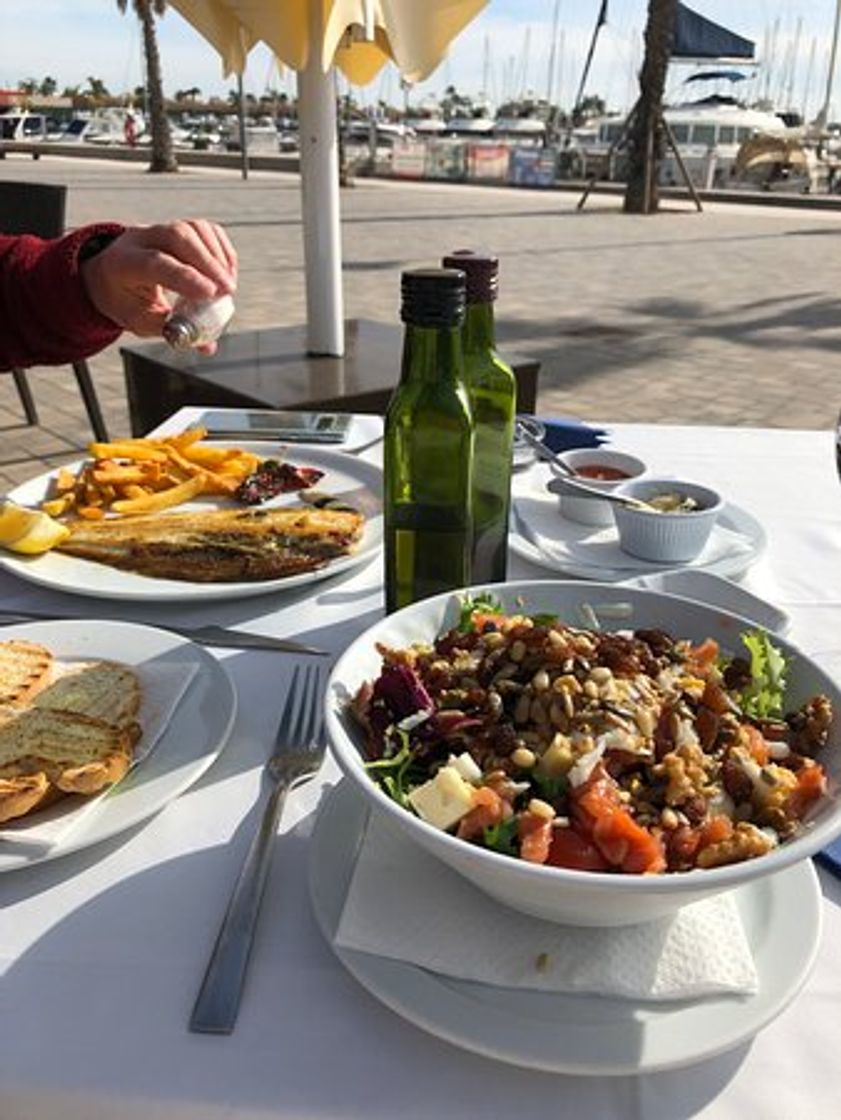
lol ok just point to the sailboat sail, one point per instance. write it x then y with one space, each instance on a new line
696 37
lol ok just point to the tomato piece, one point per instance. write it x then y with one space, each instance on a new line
488 810
715 830
700 658
811 784
600 816
572 850
535 835
757 745
480 619
627 845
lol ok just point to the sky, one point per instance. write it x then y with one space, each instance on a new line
506 49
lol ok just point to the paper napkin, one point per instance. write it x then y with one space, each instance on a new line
404 904
566 432
162 687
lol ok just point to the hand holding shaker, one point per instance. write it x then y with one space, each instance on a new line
195 323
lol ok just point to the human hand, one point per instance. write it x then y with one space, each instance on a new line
126 281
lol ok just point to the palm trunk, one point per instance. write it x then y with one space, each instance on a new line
163 157
645 142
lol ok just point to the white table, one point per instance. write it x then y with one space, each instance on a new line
102 952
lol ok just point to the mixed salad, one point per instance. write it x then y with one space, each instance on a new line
628 751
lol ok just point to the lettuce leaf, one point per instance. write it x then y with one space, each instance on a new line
485 601
764 697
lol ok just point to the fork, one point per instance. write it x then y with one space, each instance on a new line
299 749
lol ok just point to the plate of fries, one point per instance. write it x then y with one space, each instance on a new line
129 477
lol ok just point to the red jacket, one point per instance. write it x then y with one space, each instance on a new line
46 317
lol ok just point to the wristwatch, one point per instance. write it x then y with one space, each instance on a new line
95 244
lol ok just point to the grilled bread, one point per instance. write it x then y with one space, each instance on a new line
77 735
42 750
25 668
105 690
219 545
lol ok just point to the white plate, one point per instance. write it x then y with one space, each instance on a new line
541 535
715 591
192 740
354 480
575 1034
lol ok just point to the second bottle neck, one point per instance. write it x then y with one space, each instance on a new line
479 335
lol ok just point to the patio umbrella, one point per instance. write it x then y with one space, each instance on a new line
313 36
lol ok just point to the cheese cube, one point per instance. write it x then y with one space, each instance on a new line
444 799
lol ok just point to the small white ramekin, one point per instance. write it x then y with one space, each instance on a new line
590 511
666 537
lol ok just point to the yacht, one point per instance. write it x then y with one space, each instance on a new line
708 134
20 124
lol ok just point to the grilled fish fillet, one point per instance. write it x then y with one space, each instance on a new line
218 546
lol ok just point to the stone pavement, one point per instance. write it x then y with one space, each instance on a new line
731 316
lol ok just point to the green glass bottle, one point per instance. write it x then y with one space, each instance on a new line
428 449
492 392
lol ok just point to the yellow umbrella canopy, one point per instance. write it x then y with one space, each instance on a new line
313 36
358 36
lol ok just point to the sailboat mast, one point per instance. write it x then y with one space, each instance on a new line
553 48
823 115
810 69
601 20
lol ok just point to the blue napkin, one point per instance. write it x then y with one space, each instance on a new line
565 432
830 857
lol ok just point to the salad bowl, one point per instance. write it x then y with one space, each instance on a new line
571 896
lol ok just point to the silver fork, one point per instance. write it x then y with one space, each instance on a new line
299 749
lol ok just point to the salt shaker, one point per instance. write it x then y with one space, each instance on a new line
194 322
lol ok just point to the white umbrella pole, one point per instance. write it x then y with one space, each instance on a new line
320 209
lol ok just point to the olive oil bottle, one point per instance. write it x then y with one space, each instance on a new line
492 392
428 449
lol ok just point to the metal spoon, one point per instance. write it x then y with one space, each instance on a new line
571 486
570 483
543 451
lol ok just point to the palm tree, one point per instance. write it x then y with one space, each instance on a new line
96 89
163 156
645 140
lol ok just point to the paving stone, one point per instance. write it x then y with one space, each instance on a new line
731 316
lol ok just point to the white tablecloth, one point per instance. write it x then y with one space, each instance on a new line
102 952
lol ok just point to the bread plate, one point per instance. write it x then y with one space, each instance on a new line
190 742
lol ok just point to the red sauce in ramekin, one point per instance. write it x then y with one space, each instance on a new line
601 473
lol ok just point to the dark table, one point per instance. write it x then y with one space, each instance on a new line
271 369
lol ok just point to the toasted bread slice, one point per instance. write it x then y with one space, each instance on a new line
106 690
70 751
25 668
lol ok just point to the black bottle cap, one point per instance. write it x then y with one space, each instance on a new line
482 271
432 297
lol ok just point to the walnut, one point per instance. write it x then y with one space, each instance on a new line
746 842
683 769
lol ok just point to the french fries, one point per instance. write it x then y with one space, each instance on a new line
132 476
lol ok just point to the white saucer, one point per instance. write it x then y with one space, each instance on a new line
575 1034
540 534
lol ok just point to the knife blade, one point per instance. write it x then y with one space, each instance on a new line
203 635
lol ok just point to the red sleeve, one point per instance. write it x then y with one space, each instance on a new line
46 317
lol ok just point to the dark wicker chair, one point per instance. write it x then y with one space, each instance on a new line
39 208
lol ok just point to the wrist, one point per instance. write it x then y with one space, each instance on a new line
91 243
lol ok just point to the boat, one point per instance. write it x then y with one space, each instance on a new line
20 124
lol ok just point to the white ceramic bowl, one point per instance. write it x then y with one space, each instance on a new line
590 511
666 538
577 897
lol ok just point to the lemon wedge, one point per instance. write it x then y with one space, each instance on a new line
30 531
